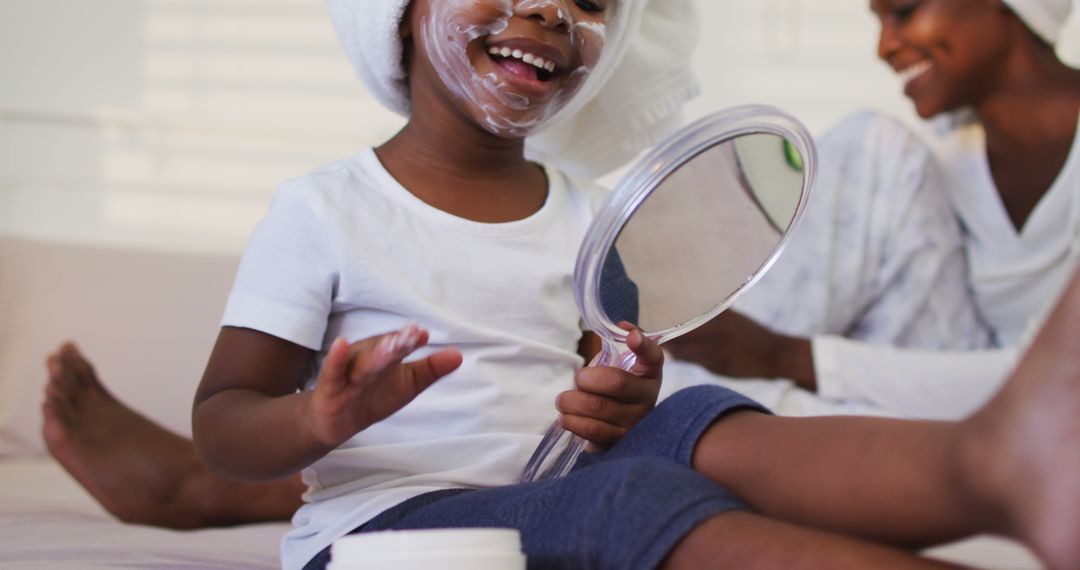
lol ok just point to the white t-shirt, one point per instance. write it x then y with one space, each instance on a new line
1016 277
347 251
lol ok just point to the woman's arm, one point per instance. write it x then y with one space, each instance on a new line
926 384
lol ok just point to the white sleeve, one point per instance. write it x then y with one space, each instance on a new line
941 385
287 277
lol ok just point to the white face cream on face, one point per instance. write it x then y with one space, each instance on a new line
529 80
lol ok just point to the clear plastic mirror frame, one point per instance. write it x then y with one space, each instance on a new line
648 174
630 193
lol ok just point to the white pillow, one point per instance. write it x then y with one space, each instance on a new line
146 320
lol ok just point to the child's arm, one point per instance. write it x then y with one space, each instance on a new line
608 401
251 422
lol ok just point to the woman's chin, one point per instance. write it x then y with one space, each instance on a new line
928 109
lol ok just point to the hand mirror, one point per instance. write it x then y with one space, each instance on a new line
689 228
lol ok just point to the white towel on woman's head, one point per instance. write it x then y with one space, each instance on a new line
631 100
1045 17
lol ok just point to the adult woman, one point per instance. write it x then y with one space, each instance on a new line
1005 111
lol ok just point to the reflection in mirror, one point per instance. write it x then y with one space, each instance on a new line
618 293
703 233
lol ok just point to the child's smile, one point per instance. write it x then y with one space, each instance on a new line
514 63
528 65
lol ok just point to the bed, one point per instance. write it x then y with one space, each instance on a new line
147 319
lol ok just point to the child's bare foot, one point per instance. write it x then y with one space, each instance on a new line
137 470
1026 442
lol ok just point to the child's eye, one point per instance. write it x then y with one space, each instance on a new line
589 6
904 11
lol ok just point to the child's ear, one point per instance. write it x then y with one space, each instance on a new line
405 25
406 35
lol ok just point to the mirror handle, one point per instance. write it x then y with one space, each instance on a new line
613 353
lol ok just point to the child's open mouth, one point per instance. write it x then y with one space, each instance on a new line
524 64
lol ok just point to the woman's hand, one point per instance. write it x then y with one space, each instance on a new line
366 382
738 347
608 401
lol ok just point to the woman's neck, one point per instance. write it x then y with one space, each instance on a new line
1030 120
1033 105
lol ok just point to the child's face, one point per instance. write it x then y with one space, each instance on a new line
512 63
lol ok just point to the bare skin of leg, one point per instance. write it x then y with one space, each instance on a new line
745 540
1012 469
137 470
1025 444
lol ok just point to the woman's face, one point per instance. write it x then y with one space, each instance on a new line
946 52
510 64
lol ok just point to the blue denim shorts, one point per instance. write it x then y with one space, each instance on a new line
623 509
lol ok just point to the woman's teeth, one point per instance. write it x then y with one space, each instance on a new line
912 72
531 59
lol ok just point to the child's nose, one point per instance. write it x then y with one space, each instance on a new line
551 14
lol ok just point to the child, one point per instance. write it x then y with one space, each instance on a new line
448 226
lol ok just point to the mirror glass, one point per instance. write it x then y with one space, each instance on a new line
694 223
703 233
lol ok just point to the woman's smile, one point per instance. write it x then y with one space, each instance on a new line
910 75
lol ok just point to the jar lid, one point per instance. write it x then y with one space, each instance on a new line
380 545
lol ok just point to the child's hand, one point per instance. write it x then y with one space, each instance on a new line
609 401
366 382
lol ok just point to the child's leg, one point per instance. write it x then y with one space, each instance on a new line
745 540
1013 468
898 482
637 513
837 473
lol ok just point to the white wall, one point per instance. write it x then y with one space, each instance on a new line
169 122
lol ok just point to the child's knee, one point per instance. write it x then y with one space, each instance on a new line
642 485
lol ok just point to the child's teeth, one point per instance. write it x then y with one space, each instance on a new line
532 59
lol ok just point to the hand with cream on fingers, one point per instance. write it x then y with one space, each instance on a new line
366 382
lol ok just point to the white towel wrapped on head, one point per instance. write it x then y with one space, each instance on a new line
632 99
1045 17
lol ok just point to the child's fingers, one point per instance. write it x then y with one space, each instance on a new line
608 410
417 376
615 383
650 357
596 432
374 355
336 364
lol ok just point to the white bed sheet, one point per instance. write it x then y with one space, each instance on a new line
48 521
